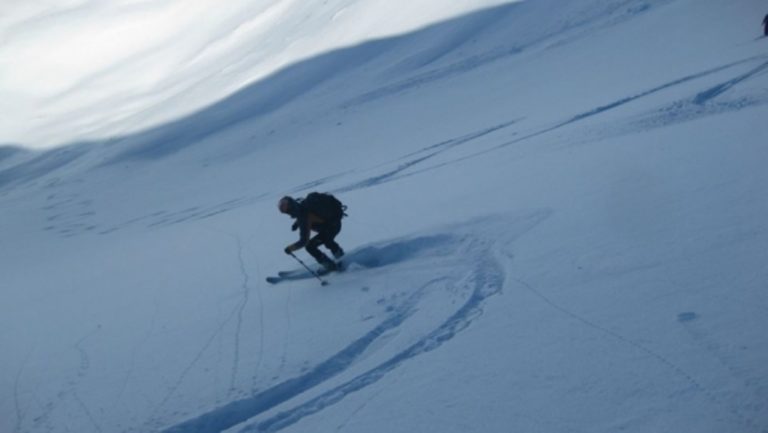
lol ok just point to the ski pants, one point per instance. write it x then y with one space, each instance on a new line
326 234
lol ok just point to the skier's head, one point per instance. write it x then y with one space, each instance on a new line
287 205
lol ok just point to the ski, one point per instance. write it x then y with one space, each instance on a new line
289 276
302 274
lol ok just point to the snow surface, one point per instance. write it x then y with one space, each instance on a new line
557 223
80 70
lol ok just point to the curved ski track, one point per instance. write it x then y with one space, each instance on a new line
483 278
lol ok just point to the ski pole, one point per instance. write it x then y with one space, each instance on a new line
322 281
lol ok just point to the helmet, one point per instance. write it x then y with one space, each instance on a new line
286 204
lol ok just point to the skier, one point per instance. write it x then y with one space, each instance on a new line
765 24
317 212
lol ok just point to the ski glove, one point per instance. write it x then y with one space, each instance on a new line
288 250
295 226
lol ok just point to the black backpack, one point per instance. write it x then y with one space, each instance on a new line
324 205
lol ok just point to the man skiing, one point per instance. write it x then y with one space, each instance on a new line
317 212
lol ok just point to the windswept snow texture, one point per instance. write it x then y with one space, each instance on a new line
556 223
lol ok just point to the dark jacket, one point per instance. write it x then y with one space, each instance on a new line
306 221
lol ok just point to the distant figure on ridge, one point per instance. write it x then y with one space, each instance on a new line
765 24
317 212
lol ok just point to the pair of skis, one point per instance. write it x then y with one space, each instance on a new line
302 274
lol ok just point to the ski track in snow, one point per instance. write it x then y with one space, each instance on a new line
484 277
68 390
240 309
698 106
87 412
702 103
20 413
286 333
134 352
82 371
431 151
709 94
314 184
486 281
732 410
257 367
721 88
241 410
737 375
180 379
70 214
236 312
705 103
359 409
85 365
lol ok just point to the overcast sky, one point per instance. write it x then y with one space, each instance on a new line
86 69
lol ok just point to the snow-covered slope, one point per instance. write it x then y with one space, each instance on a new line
556 224
77 70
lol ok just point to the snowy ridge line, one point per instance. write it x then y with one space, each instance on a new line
35 164
241 410
471 28
487 280
611 14
259 98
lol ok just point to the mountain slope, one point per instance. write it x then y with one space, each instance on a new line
556 223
